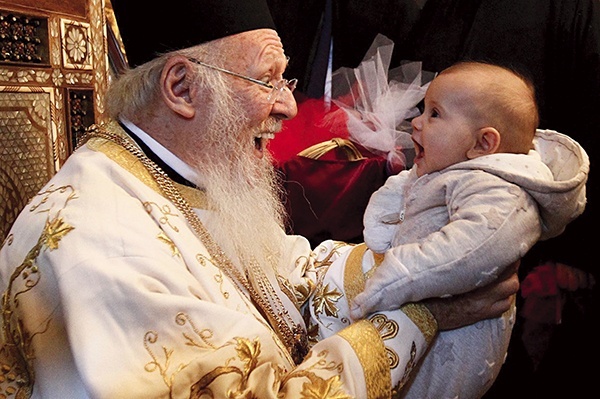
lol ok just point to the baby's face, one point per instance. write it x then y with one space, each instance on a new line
443 133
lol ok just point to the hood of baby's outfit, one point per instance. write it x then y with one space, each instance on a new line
554 174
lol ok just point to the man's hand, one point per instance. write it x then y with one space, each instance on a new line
484 303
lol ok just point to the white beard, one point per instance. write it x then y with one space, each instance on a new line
246 221
246 213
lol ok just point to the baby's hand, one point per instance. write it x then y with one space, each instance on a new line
380 292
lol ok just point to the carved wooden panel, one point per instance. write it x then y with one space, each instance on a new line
53 77
27 142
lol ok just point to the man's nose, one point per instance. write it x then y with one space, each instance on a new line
285 107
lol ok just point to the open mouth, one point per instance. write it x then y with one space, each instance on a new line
418 151
260 143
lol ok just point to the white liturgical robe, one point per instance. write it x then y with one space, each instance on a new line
109 292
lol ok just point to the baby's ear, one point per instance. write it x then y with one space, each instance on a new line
487 141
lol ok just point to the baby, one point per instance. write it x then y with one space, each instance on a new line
485 186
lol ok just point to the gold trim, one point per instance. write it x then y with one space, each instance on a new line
364 338
422 317
124 158
354 278
195 197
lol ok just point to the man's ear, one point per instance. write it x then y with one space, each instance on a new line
177 91
487 141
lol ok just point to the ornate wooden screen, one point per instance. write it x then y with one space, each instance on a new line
53 77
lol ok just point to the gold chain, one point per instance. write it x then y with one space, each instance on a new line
295 338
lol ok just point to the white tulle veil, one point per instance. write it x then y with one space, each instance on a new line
379 102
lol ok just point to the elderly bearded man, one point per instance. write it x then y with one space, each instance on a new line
154 263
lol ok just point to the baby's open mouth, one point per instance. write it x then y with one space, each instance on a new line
418 151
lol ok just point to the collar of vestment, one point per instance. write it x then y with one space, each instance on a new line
167 161
129 161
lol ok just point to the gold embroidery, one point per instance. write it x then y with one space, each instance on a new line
56 229
289 291
43 201
254 284
238 369
218 277
325 299
165 210
306 288
422 317
387 329
162 237
304 262
205 334
194 196
354 279
393 358
326 262
16 372
248 353
123 157
312 329
319 388
303 291
371 352
151 337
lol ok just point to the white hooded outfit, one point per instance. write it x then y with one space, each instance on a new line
451 231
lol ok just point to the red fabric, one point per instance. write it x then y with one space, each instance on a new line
326 198
309 127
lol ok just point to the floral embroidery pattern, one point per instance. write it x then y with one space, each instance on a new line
325 300
246 359
319 388
247 352
16 353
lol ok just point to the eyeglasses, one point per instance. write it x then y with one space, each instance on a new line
275 89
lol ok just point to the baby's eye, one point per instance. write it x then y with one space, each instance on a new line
434 113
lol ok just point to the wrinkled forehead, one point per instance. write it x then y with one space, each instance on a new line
261 45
